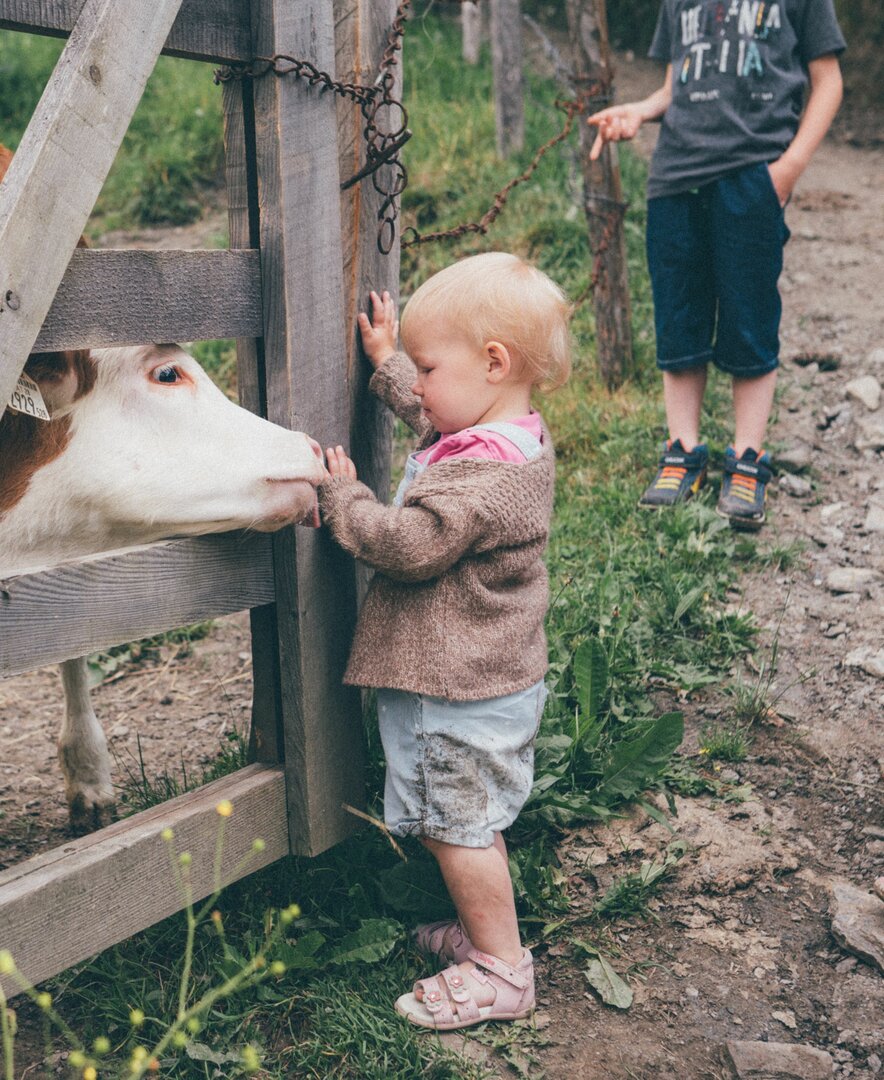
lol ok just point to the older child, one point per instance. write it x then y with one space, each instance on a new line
733 142
451 631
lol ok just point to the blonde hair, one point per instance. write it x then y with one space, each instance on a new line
500 297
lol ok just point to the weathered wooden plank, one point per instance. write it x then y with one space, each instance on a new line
111 297
307 388
74 609
509 91
592 64
63 907
55 177
361 32
204 29
265 731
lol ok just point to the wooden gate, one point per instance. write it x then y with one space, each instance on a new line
302 257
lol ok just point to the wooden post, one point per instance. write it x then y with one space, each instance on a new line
602 193
361 35
266 738
64 157
305 361
471 30
506 55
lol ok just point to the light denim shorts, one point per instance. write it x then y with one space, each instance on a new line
457 771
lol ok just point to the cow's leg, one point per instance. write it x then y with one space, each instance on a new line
83 753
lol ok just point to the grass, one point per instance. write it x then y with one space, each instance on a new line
642 598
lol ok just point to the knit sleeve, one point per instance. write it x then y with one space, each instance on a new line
392 383
413 543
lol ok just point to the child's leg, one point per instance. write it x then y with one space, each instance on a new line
753 401
478 880
683 398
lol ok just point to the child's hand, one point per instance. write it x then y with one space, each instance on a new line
381 332
616 123
339 465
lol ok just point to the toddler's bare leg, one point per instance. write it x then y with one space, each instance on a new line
753 401
478 880
683 398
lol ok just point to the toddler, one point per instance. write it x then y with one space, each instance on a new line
451 630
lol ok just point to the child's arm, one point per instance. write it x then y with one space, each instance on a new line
394 373
410 543
826 90
623 121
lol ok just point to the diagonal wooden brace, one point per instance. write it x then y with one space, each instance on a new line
64 157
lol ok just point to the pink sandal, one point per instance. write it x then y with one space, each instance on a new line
448 1004
430 939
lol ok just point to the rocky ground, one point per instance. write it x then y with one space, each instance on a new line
763 953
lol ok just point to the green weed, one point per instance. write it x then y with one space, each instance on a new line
725 742
628 896
109 662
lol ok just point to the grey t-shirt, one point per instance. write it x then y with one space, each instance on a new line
739 71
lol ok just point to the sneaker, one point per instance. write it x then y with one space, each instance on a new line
744 489
680 475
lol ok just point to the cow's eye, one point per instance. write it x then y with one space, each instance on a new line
168 373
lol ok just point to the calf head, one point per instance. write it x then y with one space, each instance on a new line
141 445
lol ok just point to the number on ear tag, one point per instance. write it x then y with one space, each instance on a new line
26 398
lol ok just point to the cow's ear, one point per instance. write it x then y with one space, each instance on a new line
62 377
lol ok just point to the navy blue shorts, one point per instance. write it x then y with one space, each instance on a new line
715 255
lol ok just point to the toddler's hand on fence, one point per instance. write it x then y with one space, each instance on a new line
340 467
381 332
616 123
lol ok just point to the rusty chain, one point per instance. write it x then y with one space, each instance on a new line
385 140
379 108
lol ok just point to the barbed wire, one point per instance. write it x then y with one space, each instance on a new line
384 141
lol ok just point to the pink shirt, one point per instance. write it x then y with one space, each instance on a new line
471 443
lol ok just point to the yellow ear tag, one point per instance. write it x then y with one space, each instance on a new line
26 398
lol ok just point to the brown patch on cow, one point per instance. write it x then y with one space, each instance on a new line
5 158
28 444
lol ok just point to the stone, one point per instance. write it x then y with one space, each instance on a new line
865 658
874 1063
796 486
777 1061
857 921
786 1017
796 459
866 389
874 518
876 358
831 510
870 432
844 579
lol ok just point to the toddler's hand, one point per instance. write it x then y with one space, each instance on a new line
339 465
616 123
381 332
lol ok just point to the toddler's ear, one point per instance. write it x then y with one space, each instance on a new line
498 360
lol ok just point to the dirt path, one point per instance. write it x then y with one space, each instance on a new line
743 949
740 945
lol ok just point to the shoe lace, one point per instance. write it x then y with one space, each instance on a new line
670 472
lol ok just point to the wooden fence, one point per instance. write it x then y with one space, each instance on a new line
302 258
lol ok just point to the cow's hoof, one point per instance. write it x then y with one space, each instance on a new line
89 811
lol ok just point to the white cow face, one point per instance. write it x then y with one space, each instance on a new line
154 449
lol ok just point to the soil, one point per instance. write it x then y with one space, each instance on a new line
738 943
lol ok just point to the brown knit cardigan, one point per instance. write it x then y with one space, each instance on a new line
457 603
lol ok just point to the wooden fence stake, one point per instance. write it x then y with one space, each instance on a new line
471 30
305 361
603 193
506 55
